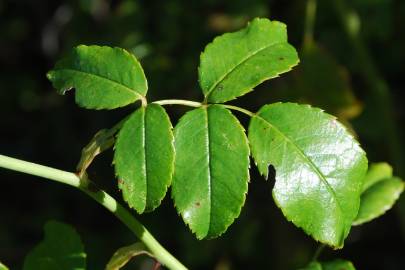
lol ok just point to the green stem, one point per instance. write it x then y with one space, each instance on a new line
178 102
103 198
199 104
318 252
235 108
310 13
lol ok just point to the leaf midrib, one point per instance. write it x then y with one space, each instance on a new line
237 65
312 165
132 91
208 149
145 147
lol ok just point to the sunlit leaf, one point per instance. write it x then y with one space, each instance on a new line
234 63
144 157
104 77
319 168
211 170
61 249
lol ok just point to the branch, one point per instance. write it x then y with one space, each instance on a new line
103 198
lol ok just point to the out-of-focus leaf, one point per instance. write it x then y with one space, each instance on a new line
123 255
332 265
211 170
312 266
103 140
380 192
320 81
61 249
319 167
104 77
338 265
3 267
144 157
234 63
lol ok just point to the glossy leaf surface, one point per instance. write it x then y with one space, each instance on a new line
123 255
381 191
61 249
144 157
104 77
211 170
319 168
234 63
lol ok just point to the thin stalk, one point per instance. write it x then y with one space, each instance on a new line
235 108
318 252
178 102
199 104
310 14
103 198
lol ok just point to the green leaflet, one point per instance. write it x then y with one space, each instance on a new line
61 249
144 157
338 265
104 77
211 170
332 265
123 255
380 192
377 172
319 168
234 63
312 266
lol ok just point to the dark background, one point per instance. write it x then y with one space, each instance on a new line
358 78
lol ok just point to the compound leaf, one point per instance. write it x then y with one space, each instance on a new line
234 63
61 249
104 77
144 157
319 168
211 170
380 192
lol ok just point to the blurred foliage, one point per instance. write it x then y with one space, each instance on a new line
167 37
